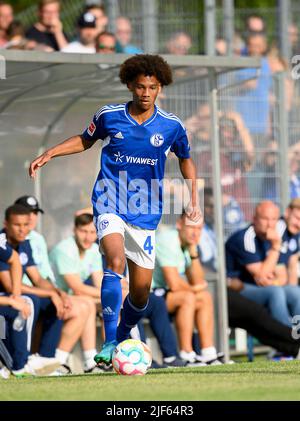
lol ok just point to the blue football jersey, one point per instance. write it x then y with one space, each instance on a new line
5 249
25 253
133 159
290 242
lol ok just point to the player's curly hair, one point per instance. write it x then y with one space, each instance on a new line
148 65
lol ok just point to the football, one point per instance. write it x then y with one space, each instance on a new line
131 357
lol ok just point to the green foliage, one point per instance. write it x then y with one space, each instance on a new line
20 5
255 4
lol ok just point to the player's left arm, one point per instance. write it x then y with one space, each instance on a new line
293 269
188 171
16 273
37 280
195 272
72 145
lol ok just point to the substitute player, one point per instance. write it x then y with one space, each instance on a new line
127 196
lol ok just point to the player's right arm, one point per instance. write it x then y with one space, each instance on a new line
16 273
74 144
78 287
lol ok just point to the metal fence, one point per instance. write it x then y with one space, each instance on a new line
171 16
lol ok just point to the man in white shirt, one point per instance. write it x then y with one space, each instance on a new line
88 31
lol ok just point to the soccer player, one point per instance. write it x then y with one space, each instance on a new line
16 310
127 196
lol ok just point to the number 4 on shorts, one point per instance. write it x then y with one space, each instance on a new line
147 245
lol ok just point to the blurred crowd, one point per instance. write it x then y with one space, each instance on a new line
50 300
48 34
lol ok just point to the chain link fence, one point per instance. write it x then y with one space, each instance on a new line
175 16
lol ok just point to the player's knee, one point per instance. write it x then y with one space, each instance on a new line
188 298
276 293
116 264
206 298
90 304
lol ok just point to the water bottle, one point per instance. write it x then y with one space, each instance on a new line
19 322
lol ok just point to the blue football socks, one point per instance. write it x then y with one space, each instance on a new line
111 300
129 318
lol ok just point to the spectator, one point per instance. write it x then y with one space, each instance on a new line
236 154
294 177
252 100
6 18
238 44
255 24
221 46
256 320
52 302
289 228
76 261
293 38
263 179
179 43
19 318
16 36
233 220
124 34
48 30
98 11
176 258
106 43
37 241
198 127
242 312
277 65
87 29
261 257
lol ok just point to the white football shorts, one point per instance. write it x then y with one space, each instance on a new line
139 243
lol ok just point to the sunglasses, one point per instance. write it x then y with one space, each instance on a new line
106 47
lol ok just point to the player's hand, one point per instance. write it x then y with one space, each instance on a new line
265 280
274 237
201 286
39 162
21 305
56 26
67 302
194 213
59 305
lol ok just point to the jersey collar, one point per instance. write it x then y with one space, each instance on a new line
133 121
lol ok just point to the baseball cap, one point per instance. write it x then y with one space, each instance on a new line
87 20
29 202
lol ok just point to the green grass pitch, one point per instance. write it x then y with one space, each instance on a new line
260 380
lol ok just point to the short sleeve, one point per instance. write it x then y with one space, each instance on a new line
181 146
164 255
238 256
96 129
64 264
5 250
96 263
231 266
28 250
